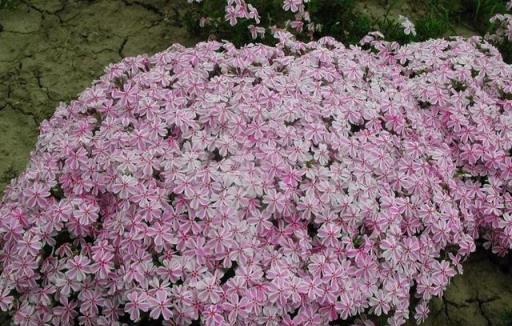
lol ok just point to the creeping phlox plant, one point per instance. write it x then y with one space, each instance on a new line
236 10
289 185
241 22
503 28
407 25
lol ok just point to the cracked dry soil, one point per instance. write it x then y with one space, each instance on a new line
50 50
481 296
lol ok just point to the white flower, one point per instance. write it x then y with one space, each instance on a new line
407 24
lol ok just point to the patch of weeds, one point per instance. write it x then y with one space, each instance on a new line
393 31
432 26
506 317
8 175
8 4
478 12
57 192
340 19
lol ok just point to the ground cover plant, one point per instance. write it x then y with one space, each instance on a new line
6 3
299 184
242 21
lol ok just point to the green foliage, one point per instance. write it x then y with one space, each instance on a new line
505 49
447 9
506 317
8 175
6 4
391 27
435 23
474 13
432 26
393 31
478 12
340 19
238 34
482 11
345 21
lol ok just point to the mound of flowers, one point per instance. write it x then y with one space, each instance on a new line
291 185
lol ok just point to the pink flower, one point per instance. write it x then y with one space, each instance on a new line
311 287
161 234
213 316
78 266
90 300
160 305
102 264
125 186
137 302
128 96
329 234
292 5
87 212
30 244
231 15
257 31
37 195
422 311
279 292
208 290
380 302
6 300
235 308
66 312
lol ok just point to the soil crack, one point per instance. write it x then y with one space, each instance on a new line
47 12
445 306
480 303
146 6
121 48
16 32
455 304
482 312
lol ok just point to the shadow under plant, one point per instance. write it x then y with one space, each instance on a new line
50 50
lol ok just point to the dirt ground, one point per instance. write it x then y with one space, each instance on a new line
50 50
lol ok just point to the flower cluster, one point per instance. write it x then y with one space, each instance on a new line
239 9
503 28
408 25
289 185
